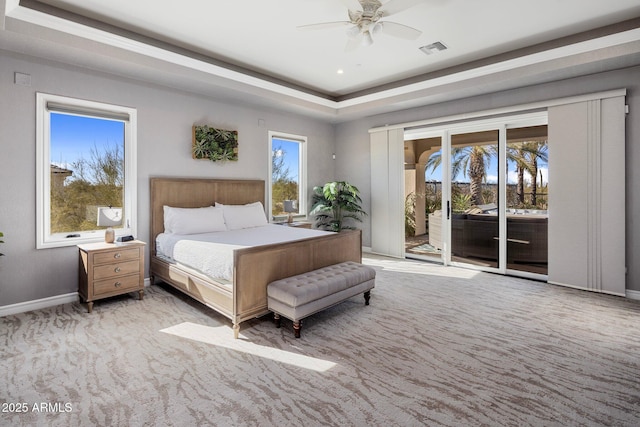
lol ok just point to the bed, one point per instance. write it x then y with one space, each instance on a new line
244 296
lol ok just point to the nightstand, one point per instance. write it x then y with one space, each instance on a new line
110 269
297 224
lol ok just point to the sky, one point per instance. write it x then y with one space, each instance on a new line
492 174
291 155
72 137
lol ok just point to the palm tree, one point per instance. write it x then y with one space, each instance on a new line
539 152
517 154
477 169
526 156
470 160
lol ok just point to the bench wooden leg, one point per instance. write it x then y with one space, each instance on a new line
367 295
276 318
296 328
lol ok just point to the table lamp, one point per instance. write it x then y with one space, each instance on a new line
290 206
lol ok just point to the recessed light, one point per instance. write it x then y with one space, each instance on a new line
340 71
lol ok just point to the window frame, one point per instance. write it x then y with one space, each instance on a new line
302 175
47 103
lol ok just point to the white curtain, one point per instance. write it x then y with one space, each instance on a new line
587 195
387 192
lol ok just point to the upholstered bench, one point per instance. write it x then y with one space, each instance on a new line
300 296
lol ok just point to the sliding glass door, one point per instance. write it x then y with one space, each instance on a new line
485 194
423 198
474 194
527 199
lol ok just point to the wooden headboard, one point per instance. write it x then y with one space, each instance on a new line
198 192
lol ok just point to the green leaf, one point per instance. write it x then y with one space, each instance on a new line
335 202
215 144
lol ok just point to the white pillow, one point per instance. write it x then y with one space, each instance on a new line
193 220
244 216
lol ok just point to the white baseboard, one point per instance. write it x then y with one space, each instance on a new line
38 304
633 294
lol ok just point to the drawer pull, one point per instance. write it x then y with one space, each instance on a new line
117 255
117 269
117 284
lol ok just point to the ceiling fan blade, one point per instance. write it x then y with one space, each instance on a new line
352 4
399 30
394 6
323 25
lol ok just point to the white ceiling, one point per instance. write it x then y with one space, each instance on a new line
240 48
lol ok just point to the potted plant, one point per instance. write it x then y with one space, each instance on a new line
334 203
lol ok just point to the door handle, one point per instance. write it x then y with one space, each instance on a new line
524 242
448 209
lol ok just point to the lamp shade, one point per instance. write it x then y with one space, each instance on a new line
290 206
109 217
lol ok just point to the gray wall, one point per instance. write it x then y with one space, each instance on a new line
352 141
165 117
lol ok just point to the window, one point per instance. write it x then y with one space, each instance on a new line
288 175
86 170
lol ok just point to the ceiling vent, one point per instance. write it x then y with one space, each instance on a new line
433 48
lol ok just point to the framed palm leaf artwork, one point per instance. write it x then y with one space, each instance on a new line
217 145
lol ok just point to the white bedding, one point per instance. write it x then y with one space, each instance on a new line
212 253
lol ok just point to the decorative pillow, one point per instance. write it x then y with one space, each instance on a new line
244 216
193 220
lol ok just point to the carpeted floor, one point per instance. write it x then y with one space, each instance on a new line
437 346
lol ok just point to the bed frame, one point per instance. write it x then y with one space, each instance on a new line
254 268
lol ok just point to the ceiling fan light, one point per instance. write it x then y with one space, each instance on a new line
367 40
353 32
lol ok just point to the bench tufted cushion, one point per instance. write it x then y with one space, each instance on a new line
311 286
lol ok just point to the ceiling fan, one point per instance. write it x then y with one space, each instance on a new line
366 20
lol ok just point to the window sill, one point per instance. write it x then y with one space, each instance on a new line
92 237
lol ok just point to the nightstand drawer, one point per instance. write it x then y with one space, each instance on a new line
117 256
119 284
116 269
